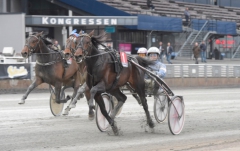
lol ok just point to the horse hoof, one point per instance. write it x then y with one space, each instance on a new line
68 97
73 105
151 124
90 117
115 129
66 112
21 102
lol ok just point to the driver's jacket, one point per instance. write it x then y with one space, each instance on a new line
158 68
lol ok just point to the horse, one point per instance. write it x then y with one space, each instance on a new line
102 76
50 68
68 52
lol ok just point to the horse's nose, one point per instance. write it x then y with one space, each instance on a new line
67 55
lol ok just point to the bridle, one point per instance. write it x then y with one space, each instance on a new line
80 45
69 46
32 49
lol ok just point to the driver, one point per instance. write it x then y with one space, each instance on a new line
142 52
158 68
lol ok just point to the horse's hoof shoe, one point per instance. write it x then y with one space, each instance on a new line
90 117
66 112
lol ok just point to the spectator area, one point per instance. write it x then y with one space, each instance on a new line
176 8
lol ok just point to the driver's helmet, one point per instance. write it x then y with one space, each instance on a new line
142 52
153 50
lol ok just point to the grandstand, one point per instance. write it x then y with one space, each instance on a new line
211 14
176 9
137 25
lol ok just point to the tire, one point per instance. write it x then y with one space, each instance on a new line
56 108
101 121
176 115
160 108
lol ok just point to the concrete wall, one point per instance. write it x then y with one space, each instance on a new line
10 85
12 31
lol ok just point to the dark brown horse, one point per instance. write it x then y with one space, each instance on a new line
102 76
68 54
50 68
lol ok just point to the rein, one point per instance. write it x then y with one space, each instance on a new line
32 51
46 64
87 57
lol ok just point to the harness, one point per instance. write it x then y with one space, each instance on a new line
114 56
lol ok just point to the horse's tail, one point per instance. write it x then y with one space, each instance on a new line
144 62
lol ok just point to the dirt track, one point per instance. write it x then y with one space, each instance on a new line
212 123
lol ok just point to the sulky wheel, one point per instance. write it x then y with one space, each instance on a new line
56 108
176 115
101 121
160 108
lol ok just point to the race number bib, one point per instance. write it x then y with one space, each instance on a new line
124 60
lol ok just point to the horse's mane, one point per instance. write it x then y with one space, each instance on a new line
45 39
96 40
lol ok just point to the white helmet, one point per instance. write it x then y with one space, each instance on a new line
153 50
142 50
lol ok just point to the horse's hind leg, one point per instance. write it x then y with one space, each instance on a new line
140 89
36 82
58 87
121 99
145 107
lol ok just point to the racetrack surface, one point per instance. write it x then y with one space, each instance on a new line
212 123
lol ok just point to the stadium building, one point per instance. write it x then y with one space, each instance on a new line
130 23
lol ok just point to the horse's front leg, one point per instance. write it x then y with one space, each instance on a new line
76 94
99 88
80 92
100 102
91 110
35 83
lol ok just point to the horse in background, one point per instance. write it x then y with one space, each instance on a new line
50 68
102 76
68 52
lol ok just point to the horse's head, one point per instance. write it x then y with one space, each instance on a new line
71 45
32 43
84 46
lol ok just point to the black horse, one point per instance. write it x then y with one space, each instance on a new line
50 68
103 77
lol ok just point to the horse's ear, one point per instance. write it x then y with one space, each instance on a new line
80 32
91 33
39 34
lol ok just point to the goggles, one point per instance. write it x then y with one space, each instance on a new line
153 55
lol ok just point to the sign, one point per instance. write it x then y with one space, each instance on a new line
125 47
15 71
81 20
110 29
